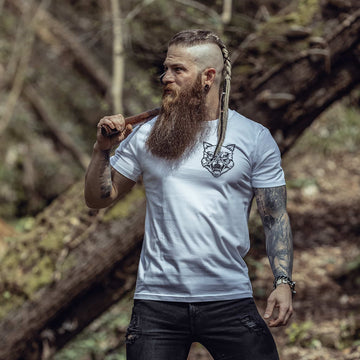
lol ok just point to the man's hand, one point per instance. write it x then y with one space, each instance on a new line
280 299
117 122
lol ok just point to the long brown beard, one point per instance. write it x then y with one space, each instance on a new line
181 123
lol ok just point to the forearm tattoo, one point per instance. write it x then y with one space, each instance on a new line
105 177
271 203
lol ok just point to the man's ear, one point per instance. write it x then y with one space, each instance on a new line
209 75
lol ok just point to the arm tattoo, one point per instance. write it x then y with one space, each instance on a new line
271 203
105 178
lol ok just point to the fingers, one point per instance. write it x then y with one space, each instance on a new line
127 131
269 308
288 315
283 317
281 300
112 124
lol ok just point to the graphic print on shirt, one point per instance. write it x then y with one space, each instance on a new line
219 164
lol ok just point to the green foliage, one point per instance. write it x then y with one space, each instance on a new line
300 333
336 131
349 332
305 12
24 224
103 339
308 335
353 265
299 183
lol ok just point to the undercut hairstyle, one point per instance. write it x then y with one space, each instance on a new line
199 37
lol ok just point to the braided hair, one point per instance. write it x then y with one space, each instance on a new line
199 37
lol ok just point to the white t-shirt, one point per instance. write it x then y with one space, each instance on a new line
196 226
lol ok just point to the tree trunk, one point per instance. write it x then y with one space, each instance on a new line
118 57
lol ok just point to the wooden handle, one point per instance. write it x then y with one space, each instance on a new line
133 120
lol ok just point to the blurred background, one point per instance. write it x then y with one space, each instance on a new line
67 272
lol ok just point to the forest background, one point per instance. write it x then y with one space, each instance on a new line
67 272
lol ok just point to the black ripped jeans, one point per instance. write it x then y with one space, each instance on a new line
230 330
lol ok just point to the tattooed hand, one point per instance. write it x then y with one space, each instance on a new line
103 184
271 203
117 122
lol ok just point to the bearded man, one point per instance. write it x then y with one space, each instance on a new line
201 166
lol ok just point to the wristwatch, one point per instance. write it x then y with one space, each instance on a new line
284 280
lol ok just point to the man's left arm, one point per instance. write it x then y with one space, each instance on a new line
271 203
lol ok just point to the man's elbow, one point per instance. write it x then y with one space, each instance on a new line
94 203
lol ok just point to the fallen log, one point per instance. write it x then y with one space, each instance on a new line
92 274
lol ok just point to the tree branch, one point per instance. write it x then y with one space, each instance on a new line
60 136
203 8
20 66
88 63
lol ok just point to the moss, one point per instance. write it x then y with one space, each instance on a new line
25 223
30 260
52 241
301 16
307 9
9 301
126 206
8 264
40 275
68 264
337 130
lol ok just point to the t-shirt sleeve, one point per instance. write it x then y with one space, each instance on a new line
266 169
125 159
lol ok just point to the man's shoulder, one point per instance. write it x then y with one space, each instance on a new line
147 125
246 124
143 129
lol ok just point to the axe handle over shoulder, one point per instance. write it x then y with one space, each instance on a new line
133 120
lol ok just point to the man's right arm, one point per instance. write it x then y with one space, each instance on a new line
103 184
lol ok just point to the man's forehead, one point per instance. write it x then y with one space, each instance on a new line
199 54
178 54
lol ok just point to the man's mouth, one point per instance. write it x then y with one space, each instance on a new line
167 90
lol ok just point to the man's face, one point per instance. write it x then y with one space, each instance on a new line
181 71
182 120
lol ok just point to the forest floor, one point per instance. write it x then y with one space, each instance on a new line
324 207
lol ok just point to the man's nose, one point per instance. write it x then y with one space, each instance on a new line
166 77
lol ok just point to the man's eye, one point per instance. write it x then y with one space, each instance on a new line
178 69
